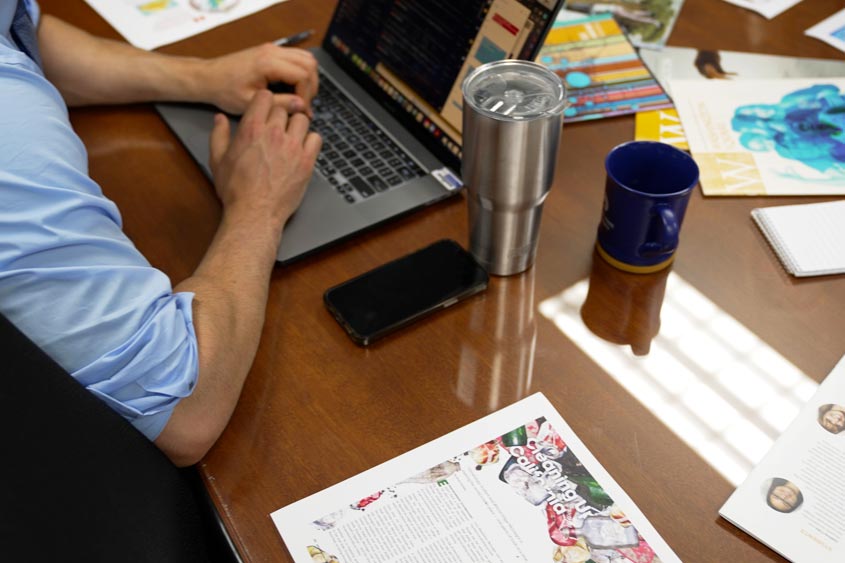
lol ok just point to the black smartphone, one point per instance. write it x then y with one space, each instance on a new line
391 296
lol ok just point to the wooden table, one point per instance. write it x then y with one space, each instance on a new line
317 409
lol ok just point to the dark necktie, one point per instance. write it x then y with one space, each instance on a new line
23 32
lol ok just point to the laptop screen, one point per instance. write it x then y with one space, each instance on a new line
414 54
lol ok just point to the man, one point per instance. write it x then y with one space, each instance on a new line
171 360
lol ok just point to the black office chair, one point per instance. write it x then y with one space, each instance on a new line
79 483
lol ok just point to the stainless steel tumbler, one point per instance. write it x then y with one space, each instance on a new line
512 118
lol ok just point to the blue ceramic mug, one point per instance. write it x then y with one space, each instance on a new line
646 194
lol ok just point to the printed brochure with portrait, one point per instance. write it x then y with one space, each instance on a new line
516 485
765 137
794 499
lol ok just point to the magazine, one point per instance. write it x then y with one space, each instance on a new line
830 30
685 63
765 137
648 23
794 499
517 485
604 76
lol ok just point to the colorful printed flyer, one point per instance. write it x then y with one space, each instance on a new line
682 62
831 30
765 137
603 74
517 485
766 8
647 23
148 24
793 500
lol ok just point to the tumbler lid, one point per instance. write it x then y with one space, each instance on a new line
514 89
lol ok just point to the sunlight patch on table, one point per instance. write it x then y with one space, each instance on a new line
713 382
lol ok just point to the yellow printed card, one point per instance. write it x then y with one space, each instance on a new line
661 125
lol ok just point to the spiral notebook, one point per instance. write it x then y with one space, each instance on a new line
808 239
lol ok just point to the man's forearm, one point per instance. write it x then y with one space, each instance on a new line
230 288
91 70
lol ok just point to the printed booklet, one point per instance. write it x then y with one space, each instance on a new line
517 485
674 63
765 137
648 23
794 500
603 73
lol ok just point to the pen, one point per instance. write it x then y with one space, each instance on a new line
295 38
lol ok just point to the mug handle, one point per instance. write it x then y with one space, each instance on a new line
667 234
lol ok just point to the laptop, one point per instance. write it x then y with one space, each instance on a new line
389 108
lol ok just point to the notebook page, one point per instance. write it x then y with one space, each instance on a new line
809 239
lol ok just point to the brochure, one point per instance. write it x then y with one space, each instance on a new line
830 30
794 499
148 24
765 137
648 23
604 76
517 485
685 63
767 8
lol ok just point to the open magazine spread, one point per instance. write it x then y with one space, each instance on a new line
765 137
794 500
516 485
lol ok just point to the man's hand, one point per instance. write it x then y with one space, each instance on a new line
232 80
261 174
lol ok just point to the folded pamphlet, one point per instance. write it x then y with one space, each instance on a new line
794 499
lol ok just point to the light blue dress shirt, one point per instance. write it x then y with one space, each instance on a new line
69 277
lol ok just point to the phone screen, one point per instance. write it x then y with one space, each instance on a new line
393 295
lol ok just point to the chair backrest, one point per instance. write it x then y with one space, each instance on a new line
77 481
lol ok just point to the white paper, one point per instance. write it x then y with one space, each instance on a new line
810 456
446 501
149 24
766 8
809 239
831 30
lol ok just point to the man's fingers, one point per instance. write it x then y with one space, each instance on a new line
291 102
219 140
302 76
298 126
278 117
259 108
313 144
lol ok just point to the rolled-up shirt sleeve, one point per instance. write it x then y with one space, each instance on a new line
145 377
70 279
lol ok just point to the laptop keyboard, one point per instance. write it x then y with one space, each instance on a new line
357 157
